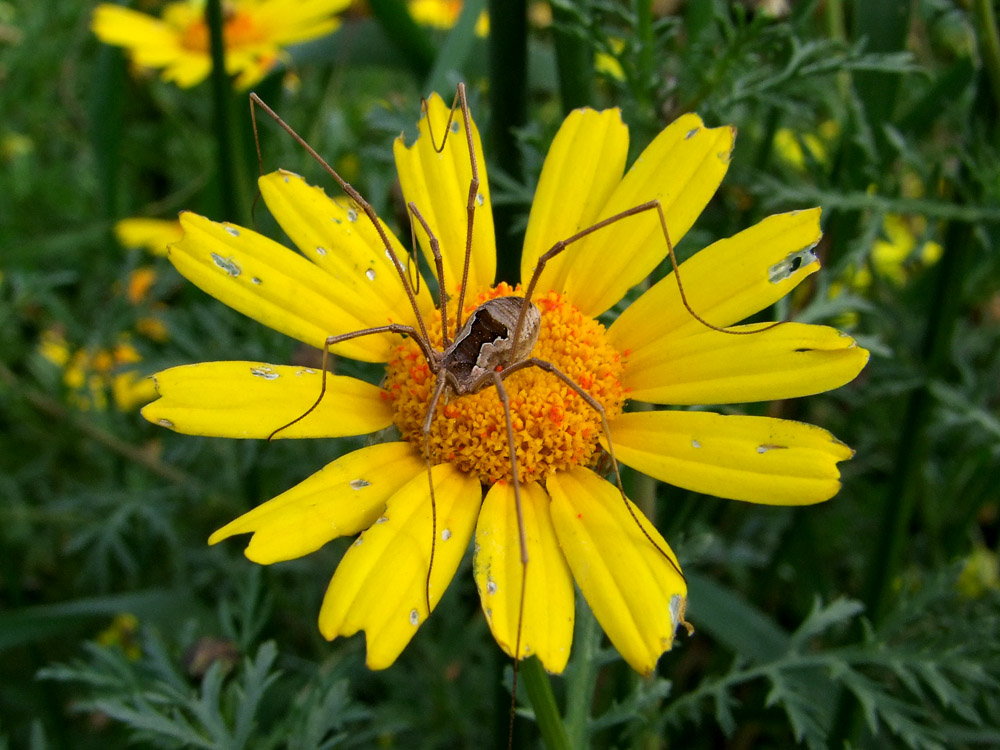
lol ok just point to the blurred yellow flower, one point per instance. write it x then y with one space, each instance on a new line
443 14
981 573
13 145
608 64
152 234
122 632
140 281
89 375
255 32
791 147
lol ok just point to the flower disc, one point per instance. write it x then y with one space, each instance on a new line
554 428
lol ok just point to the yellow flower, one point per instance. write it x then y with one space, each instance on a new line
576 524
254 32
123 632
152 234
90 374
443 14
789 145
608 64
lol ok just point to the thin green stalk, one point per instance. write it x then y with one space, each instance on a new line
886 553
232 182
509 112
411 40
582 676
904 485
644 62
989 44
543 701
574 57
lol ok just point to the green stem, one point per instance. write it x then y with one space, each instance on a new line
644 32
227 138
583 675
543 701
411 40
905 483
509 112
989 44
574 58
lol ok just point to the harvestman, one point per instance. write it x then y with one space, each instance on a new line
496 340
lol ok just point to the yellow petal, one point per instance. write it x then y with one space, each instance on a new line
712 367
339 238
635 592
186 69
252 400
380 585
124 27
757 459
271 284
584 165
682 168
726 282
152 234
342 498
438 183
547 622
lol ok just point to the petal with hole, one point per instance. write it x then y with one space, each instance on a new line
271 284
748 364
726 282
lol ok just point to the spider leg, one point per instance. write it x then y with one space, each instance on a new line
256 101
333 341
596 406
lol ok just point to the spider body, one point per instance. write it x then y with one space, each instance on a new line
486 344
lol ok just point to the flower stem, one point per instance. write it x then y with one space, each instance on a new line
543 701
227 137
580 680
574 59
509 108
989 44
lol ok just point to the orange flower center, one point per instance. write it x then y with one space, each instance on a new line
239 29
554 428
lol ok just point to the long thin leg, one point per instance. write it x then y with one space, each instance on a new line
473 185
351 192
596 406
653 205
439 264
439 387
333 341
522 538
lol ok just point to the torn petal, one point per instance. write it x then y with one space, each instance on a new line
343 498
380 585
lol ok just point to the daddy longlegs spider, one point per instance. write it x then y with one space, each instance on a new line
493 343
